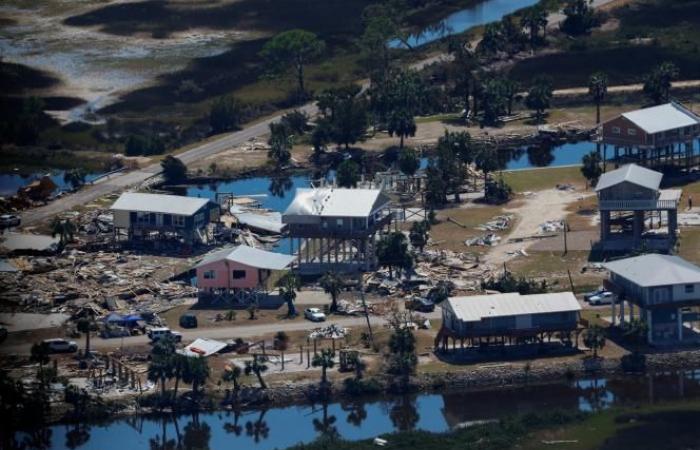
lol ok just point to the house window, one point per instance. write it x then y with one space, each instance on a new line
238 274
143 218
179 221
199 219
631 132
616 130
209 275
339 223
689 288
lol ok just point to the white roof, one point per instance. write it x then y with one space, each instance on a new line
632 173
655 270
159 203
478 307
202 347
662 118
253 257
335 202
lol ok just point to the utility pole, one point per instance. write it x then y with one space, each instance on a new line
566 247
364 306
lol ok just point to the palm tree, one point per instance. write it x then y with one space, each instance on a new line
332 285
288 286
594 338
74 177
280 142
179 364
598 89
419 234
258 368
40 354
63 228
402 124
325 361
196 372
535 19
232 374
87 325
161 366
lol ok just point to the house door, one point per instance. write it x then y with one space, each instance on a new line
159 220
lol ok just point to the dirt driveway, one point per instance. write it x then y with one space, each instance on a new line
536 209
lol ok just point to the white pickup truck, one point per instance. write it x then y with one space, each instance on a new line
157 333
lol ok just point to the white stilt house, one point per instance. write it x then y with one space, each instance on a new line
665 288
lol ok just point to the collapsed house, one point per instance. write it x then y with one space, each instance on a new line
664 287
661 135
155 217
634 189
335 228
509 316
238 274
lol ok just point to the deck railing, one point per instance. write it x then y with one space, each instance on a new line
632 205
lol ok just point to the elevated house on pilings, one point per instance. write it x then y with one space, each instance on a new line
238 275
335 228
659 136
629 199
510 318
141 217
666 289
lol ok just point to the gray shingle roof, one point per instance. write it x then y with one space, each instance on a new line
159 203
249 256
655 270
631 173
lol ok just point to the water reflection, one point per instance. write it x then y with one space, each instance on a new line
160 441
540 156
279 186
325 426
258 429
404 413
196 434
357 412
78 435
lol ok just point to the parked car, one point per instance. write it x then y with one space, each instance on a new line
59 345
588 295
420 304
604 298
9 220
314 314
158 333
188 321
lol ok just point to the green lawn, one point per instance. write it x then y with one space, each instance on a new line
539 179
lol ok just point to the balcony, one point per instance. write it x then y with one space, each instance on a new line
637 205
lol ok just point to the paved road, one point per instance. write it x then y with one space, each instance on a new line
221 333
123 181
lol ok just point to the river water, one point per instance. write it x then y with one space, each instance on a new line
362 419
479 14
10 182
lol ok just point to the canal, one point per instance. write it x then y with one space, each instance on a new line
367 418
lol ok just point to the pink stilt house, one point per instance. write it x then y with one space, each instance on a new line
238 274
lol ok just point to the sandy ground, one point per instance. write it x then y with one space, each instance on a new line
537 208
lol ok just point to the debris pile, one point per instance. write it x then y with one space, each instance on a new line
332 331
498 223
552 226
488 240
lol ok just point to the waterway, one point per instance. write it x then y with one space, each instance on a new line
10 182
460 21
362 419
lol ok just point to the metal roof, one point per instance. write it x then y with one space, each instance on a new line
159 203
336 202
662 118
479 307
253 257
632 173
655 270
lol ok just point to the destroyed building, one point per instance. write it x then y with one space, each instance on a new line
140 217
335 229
